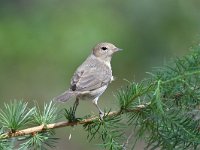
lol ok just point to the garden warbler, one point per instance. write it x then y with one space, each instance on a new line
92 77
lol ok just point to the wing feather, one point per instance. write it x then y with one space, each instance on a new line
91 77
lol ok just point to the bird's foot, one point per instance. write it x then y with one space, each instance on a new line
70 114
101 115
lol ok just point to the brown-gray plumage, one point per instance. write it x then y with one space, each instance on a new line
91 78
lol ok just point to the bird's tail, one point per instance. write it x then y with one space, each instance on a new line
64 96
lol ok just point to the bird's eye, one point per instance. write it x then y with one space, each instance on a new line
104 48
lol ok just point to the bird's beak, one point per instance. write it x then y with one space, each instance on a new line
118 49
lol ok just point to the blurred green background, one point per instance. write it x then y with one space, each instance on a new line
43 42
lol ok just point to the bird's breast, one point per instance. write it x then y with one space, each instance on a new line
91 95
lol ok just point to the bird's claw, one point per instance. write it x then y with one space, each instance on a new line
101 115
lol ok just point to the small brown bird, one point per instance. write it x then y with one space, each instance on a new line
92 77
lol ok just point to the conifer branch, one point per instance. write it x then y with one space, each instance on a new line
42 128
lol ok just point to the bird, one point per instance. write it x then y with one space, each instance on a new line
92 77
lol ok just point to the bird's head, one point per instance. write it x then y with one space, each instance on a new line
105 50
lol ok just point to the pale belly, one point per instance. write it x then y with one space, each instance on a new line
91 95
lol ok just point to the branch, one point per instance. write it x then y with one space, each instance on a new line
34 130
41 128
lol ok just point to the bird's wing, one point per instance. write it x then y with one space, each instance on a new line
91 77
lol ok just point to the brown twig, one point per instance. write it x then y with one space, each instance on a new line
37 129
41 128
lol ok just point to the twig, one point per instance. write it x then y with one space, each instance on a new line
33 130
41 128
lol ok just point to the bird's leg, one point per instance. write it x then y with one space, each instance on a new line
76 103
73 110
101 113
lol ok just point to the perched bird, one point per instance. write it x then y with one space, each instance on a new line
91 78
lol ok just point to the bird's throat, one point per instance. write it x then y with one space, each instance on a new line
106 61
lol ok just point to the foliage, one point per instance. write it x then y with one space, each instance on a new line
49 114
163 110
172 101
6 143
16 115
39 141
110 130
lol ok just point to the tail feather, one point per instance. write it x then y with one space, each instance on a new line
64 96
